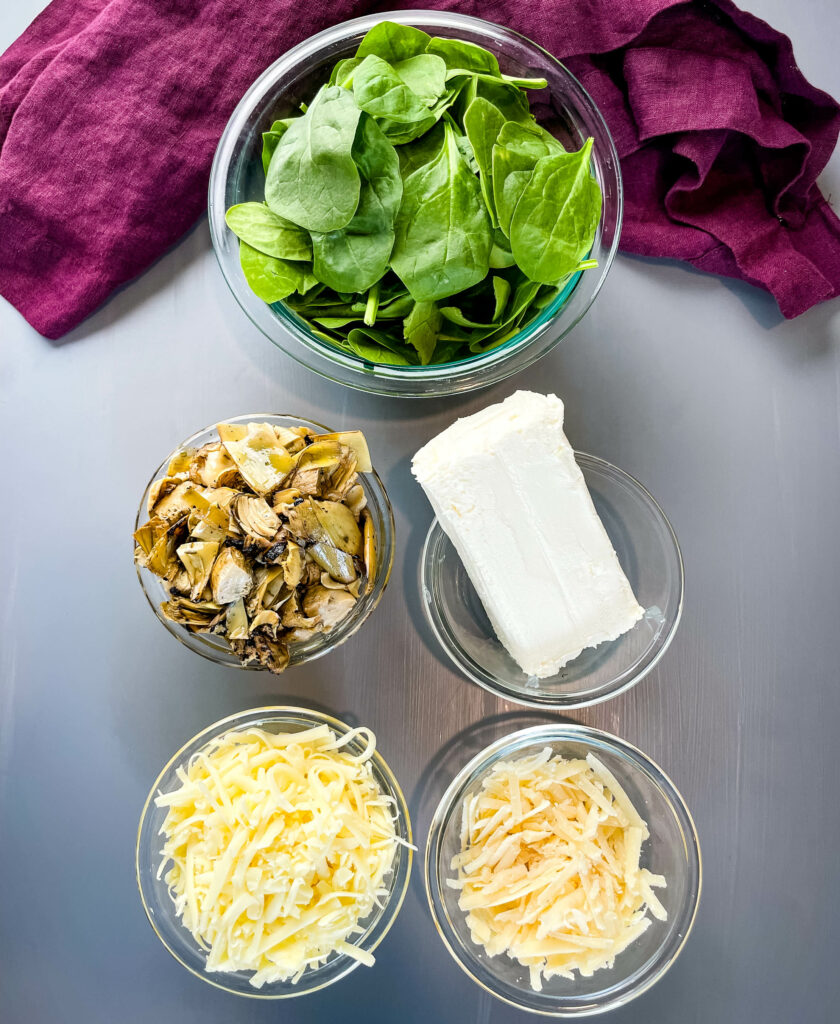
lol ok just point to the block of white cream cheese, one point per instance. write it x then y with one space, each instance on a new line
507 491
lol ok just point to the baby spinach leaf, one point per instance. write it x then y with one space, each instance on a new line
443 234
270 140
393 42
425 75
556 217
482 122
420 329
255 224
467 152
355 257
455 316
501 293
270 278
342 73
312 178
463 56
335 321
380 91
375 346
512 102
517 149
500 255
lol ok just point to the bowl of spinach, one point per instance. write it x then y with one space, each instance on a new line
416 203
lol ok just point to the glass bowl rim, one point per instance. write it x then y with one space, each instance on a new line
436 620
278 711
364 372
210 651
571 732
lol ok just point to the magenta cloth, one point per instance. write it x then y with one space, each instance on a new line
110 111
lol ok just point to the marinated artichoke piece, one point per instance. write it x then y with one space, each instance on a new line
266 619
355 499
334 561
236 621
180 462
159 490
189 615
340 526
211 466
268 585
355 441
284 499
293 565
262 538
197 558
319 455
173 504
230 578
162 556
369 548
254 516
328 606
262 460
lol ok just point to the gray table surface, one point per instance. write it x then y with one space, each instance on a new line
730 415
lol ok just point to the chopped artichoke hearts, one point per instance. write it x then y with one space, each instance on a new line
255 448
261 537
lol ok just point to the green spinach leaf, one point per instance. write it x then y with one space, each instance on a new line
463 56
270 278
443 233
342 73
516 151
483 121
393 42
270 140
556 217
381 92
425 75
420 330
356 257
312 179
255 224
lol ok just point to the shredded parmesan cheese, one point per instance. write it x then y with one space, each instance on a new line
549 866
278 844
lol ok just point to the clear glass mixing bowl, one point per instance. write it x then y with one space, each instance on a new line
154 891
565 108
216 648
672 850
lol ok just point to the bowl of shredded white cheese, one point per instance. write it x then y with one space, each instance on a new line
274 852
563 870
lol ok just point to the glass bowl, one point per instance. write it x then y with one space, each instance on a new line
158 903
672 850
650 556
236 177
215 648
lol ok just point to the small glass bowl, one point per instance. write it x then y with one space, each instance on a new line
672 850
650 556
215 648
565 108
157 901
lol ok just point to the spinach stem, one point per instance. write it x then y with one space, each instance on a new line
372 307
587 265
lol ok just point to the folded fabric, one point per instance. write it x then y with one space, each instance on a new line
110 111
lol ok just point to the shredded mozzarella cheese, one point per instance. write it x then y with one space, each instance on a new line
278 844
549 866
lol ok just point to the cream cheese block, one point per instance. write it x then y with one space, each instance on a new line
508 493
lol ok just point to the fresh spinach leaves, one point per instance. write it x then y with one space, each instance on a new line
415 212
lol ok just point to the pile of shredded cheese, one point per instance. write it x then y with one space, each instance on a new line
549 866
278 845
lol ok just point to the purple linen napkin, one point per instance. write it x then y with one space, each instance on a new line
110 111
